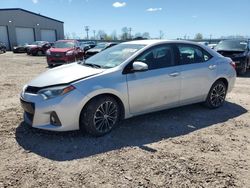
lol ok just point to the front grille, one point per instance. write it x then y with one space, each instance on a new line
31 89
57 54
28 107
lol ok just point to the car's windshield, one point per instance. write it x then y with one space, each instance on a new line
236 45
114 56
64 44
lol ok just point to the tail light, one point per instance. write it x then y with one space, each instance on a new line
233 64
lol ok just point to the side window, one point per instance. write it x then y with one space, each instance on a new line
189 54
158 57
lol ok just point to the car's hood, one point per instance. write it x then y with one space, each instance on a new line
64 74
60 49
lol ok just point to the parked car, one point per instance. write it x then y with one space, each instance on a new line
38 48
212 46
98 48
238 50
204 43
3 47
21 48
126 80
64 51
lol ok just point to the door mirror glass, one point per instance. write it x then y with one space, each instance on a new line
139 66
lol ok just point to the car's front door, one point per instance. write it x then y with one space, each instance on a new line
157 87
198 71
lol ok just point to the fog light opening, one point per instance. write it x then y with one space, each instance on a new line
54 120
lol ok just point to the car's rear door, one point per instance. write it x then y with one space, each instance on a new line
198 71
159 86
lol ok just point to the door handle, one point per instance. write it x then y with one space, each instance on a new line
212 67
174 74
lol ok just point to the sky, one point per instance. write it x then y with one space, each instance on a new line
175 18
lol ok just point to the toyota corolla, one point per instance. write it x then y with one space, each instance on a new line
126 80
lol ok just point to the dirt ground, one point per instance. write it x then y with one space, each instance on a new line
190 146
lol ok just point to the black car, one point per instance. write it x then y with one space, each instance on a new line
238 50
21 48
38 48
98 48
3 47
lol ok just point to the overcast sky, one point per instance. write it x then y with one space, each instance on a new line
175 18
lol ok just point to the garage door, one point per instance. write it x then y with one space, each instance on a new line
48 35
4 36
24 35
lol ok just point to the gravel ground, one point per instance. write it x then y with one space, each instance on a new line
190 146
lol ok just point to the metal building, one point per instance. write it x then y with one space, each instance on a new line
18 26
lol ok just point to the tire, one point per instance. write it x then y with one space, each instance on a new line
243 69
39 53
216 96
100 116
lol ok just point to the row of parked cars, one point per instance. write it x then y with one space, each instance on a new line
63 51
67 51
236 49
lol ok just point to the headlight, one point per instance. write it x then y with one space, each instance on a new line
53 92
70 53
48 52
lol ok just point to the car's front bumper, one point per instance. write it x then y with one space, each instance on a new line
38 112
53 60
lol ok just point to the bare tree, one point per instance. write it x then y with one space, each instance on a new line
161 34
198 36
124 35
146 35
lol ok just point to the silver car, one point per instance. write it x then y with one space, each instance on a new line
126 80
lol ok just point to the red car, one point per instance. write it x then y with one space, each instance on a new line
64 51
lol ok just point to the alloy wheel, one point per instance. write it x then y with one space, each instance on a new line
218 95
105 116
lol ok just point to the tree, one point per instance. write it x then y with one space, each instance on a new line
114 35
198 36
146 35
125 34
161 34
101 35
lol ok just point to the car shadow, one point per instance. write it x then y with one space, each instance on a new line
137 131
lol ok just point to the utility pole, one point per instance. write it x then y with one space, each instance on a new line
210 38
87 31
94 33
129 30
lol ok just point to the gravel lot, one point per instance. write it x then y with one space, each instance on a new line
190 146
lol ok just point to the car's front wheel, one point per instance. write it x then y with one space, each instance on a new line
100 116
217 94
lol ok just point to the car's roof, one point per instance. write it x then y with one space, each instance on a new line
152 42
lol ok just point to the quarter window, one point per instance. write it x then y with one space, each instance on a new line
189 54
158 57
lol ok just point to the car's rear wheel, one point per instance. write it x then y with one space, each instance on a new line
217 94
39 53
100 116
243 69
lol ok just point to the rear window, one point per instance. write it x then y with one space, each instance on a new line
189 54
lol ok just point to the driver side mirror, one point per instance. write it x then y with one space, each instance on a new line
139 66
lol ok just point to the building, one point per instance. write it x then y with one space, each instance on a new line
18 26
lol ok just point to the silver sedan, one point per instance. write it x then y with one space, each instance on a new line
126 80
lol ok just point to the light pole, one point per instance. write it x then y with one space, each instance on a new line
94 33
87 31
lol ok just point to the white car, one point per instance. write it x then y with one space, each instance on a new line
126 80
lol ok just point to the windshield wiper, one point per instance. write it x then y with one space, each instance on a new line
92 65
